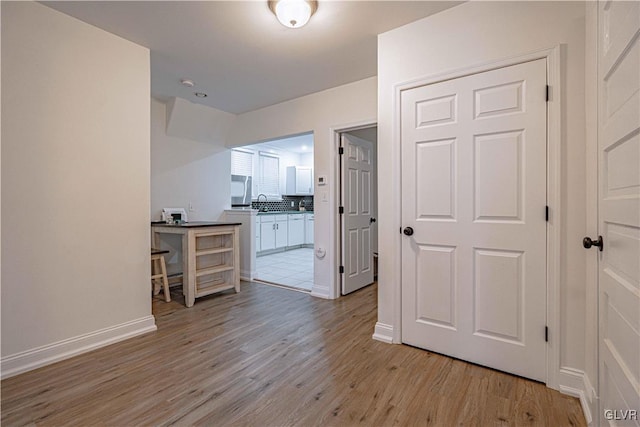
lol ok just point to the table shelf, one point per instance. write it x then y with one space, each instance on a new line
214 270
213 251
214 289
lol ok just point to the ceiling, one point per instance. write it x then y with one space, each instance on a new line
239 54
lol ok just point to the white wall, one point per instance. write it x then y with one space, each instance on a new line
188 120
75 187
186 171
320 112
492 31
306 159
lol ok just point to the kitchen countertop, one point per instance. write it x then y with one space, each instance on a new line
194 224
284 212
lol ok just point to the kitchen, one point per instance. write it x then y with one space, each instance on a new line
272 183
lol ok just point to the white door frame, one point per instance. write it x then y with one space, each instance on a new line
553 57
334 133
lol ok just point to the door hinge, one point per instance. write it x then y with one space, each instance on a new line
546 213
340 150
546 334
548 92
341 210
342 269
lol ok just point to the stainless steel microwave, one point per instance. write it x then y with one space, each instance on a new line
240 191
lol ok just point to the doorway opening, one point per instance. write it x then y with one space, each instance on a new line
280 177
358 208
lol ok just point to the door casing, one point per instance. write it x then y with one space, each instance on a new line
553 57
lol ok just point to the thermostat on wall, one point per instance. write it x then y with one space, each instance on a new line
322 180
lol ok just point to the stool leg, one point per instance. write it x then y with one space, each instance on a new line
165 280
154 282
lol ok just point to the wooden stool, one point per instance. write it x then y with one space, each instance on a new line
157 255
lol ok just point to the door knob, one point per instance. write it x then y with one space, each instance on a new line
371 220
587 243
408 231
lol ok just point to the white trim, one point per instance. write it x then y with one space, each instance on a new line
40 356
591 204
554 201
553 56
334 171
320 292
383 332
575 382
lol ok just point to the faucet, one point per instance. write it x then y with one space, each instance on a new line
264 207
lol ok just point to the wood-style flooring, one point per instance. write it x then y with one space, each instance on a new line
272 357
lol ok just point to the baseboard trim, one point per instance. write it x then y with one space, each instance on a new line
40 356
576 383
247 276
319 292
383 332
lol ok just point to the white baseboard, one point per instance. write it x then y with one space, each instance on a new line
383 332
576 383
35 358
247 276
319 292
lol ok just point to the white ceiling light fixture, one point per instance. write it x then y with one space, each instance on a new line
293 13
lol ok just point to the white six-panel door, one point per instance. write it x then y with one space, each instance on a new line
357 187
619 211
474 193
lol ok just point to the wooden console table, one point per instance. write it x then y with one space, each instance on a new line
210 256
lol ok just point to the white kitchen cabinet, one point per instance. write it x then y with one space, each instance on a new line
296 229
308 229
267 232
282 232
299 180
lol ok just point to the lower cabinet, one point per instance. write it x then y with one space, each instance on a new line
281 231
273 232
296 229
267 233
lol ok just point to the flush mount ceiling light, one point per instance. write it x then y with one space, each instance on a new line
293 13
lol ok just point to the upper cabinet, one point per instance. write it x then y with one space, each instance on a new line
299 181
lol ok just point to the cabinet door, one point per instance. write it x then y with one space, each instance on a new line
296 230
281 233
267 234
304 181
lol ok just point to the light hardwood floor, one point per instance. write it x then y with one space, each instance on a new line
272 357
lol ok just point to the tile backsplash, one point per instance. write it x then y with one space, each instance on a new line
285 203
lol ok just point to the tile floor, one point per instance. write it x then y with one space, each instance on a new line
290 268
